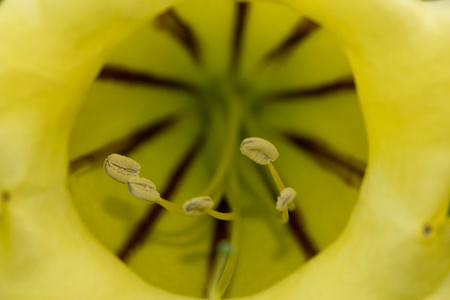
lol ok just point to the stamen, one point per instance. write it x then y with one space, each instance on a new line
220 215
285 198
263 152
197 205
196 211
218 286
126 170
143 189
259 150
121 168
276 177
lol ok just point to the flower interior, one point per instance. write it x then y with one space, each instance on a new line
178 97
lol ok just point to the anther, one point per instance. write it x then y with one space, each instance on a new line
197 205
121 168
143 189
285 198
259 150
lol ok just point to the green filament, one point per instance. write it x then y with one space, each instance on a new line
222 272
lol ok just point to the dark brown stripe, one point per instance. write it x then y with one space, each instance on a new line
347 168
123 146
297 226
144 227
303 29
342 84
140 232
220 234
242 9
171 23
126 75
296 223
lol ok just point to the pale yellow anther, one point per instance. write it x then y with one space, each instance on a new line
121 168
259 150
197 205
143 189
286 196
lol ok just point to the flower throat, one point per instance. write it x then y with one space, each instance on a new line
125 170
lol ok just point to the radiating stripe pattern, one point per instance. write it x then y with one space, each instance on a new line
144 228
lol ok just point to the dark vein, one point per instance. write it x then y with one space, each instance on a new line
296 223
126 75
297 226
124 145
303 29
347 168
242 9
144 226
341 84
220 234
180 31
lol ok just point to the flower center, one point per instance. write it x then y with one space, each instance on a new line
183 117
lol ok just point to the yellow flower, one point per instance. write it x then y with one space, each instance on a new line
396 243
181 109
